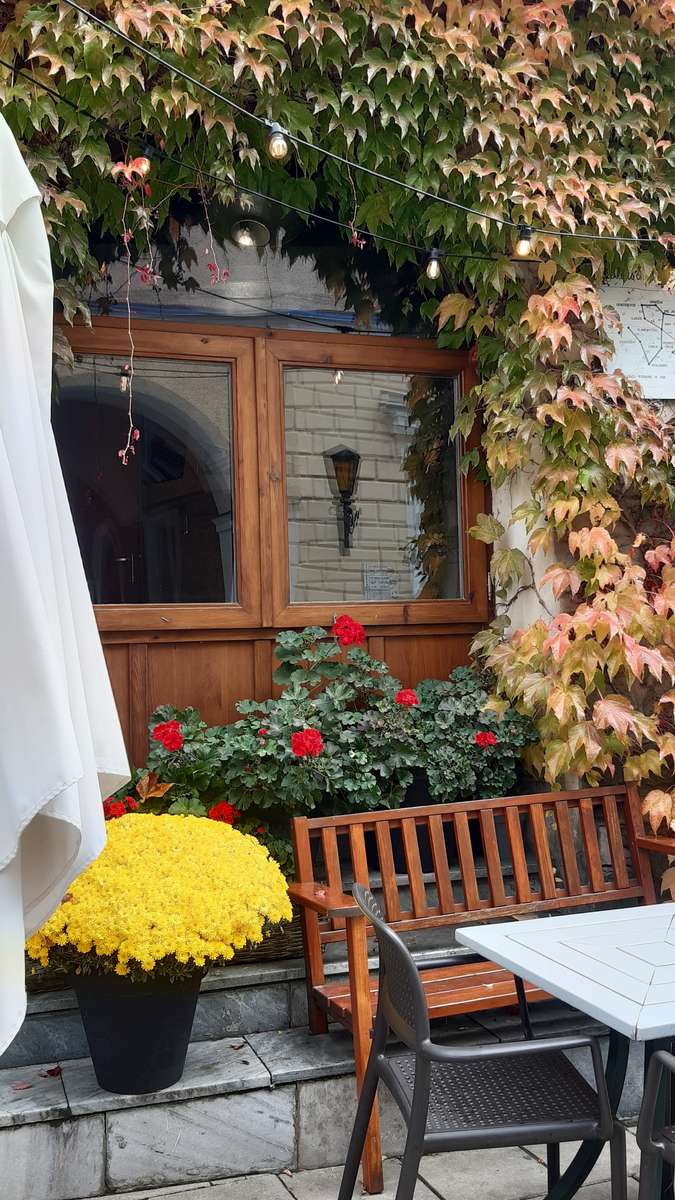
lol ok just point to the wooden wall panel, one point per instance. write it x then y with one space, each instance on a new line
117 658
412 658
209 675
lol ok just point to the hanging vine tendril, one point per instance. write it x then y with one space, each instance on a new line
133 434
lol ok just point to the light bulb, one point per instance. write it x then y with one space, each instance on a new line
434 265
524 241
277 143
244 237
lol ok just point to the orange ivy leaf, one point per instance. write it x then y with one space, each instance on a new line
617 713
623 452
657 806
562 579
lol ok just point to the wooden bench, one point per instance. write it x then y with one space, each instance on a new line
515 856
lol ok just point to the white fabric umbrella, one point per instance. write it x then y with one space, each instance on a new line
60 740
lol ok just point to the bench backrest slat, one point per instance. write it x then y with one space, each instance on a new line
513 855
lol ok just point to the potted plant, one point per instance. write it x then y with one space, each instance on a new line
168 897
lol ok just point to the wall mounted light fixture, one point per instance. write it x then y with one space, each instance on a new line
249 233
342 467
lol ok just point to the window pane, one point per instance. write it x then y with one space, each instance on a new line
384 438
160 530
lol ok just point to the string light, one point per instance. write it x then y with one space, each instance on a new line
434 265
339 158
277 143
523 246
243 192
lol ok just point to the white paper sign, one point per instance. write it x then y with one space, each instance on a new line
378 583
645 350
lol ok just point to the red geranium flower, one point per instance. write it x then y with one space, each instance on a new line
485 738
348 632
262 733
169 734
407 697
224 812
306 742
131 803
113 808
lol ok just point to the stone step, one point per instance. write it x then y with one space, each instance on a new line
267 1102
235 999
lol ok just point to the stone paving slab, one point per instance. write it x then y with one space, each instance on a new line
297 1054
601 1170
505 1174
220 1067
252 1187
324 1184
29 1094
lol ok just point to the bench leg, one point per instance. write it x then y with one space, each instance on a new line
362 1021
367 1100
317 1019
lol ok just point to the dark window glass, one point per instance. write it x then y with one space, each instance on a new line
160 530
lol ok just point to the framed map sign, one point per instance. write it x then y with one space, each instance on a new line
645 349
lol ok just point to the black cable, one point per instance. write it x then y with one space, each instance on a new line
339 158
248 191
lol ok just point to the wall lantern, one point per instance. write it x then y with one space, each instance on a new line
249 233
342 466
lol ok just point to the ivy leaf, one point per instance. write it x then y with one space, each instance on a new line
508 567
657 806
487 528
457 306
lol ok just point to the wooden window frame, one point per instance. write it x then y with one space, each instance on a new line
257 358
168 340
371 353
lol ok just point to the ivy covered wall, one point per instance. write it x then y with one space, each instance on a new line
555 114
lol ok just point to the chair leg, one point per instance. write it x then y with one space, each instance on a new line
619 1175
553 1164
650 1175
359 1132
410 1166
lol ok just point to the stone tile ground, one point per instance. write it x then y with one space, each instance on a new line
514 1174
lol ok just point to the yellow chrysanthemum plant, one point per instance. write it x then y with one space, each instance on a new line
168 895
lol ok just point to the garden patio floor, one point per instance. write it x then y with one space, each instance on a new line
515 1174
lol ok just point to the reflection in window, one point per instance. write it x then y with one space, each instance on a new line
373 493
161 530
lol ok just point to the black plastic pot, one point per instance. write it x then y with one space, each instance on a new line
138 1033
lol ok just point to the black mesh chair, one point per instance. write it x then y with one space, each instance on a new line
655 1139
514 1094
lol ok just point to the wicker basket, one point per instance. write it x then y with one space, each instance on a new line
283 942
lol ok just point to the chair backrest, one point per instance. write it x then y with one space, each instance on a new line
486 859
400 994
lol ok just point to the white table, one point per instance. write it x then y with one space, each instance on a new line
617 966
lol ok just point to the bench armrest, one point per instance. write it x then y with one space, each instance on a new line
656 845
328 902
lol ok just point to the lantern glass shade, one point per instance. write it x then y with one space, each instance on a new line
249 233
346 464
